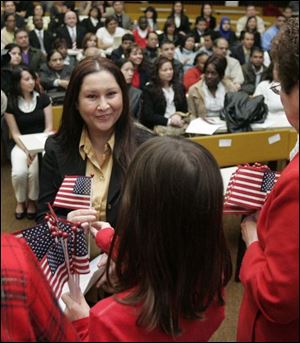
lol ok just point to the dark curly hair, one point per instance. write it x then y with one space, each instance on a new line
285 54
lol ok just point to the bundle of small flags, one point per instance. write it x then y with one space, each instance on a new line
248 189
61 249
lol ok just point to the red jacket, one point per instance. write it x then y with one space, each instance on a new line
29 310
270 268
110 321
191 76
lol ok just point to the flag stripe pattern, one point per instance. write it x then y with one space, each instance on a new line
74 193
248 189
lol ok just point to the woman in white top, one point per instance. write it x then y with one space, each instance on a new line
206 97
272 100
27 112
108 35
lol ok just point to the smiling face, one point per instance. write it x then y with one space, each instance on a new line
100 102
136 56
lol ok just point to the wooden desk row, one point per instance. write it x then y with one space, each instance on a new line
235 148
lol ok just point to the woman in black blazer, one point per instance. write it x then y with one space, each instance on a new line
182 21
93 22
162 97
96 134
206 12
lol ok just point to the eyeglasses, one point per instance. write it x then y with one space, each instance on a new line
276 88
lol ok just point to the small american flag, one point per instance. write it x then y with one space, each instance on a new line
74 193
248 189
51 253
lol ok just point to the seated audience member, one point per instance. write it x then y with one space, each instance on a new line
13 60
57 16
9 7
269 272
141 70
163 97
135 95
39 12
251 26
226 32
124 21
199 30
193 75
141 32
27 112
40 38
8 31
89 41
167 49
250 12
85 7
151 15
233 70
169 33
206 13
181 21
72 32
254 71
209 37
31 57
272 100
151 52
242 52
93 22
106 35
272 32
186 52
96 136
60 44
287 12
55 76
119 53
187 301
206 97
29 310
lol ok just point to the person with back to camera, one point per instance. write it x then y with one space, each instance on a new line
270 268
27 112
170 269
96 136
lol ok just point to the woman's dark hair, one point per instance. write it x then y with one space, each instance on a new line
219 62
11 46
7 15
285 55
15 87
169 22
202 8
176 264
153 10
184 39
109 20
99 15
53 51
70 130
173 8
120 62
199 55
247 23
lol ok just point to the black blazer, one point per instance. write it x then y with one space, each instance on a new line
184 25
89 27
80 33
154 105
239 54
55 167
34 41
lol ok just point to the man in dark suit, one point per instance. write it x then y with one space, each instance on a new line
254 71
40 38
243 51
123 19
71 32
31 57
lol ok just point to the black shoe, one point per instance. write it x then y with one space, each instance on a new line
20 216
31 216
